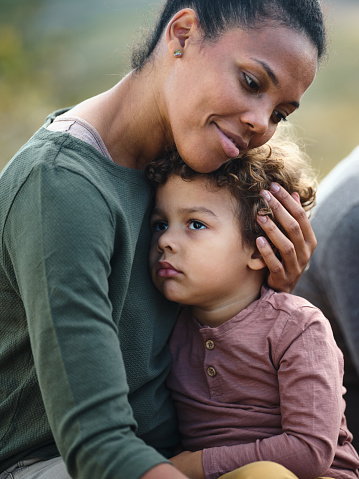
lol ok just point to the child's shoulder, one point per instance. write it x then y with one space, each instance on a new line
292 306
286 300
293 320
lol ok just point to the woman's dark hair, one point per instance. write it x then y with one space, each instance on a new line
218 16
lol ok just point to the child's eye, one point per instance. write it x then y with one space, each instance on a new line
196 225
251 83
159 226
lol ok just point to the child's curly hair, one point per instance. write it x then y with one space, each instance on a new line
280 161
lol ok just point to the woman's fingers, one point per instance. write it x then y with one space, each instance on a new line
296 249
303 238
292 205
283 275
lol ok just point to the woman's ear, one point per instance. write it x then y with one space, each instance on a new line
180 29
256 261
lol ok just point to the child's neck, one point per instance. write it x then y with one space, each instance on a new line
215 314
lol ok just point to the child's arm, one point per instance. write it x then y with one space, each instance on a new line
310 371
310 384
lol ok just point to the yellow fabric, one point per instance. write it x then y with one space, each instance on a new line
262 470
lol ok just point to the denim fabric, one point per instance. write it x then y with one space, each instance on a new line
37 469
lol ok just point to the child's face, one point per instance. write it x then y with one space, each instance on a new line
197 255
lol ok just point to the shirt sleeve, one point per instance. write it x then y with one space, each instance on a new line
309 368
340 277
59 235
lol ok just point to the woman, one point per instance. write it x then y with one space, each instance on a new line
83 357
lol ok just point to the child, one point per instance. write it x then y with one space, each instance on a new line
256 374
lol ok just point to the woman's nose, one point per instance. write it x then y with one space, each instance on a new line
257 120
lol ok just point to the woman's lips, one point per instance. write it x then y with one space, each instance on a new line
166 270
231 144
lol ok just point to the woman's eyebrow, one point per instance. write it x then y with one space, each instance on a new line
274 79
269 71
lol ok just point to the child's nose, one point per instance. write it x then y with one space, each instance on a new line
166 241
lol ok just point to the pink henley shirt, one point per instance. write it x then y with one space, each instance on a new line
265 385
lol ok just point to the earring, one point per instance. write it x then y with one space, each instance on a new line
177 53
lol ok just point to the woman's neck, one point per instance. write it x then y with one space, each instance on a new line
130 120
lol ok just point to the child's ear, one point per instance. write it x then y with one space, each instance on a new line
256 261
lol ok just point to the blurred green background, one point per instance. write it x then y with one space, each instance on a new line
55 53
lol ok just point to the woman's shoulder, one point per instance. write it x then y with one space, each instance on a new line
57 161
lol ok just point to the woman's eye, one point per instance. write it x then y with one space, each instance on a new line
251 83
278 117
196 225
159 226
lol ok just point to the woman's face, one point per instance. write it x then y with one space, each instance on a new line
227 96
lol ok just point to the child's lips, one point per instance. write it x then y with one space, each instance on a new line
166 270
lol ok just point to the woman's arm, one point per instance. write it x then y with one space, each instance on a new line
60 238
296 249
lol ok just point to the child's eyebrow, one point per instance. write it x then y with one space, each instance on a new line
197 209
192 210
156 211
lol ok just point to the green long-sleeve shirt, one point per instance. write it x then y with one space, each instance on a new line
83 353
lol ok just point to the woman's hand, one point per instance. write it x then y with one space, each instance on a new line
295 250
190 463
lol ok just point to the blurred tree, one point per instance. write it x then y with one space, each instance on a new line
55 53
15 41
